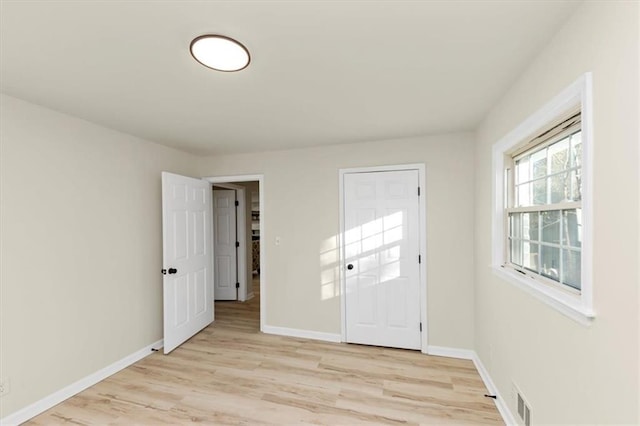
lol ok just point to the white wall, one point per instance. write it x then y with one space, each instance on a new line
301 207
81 247
571 373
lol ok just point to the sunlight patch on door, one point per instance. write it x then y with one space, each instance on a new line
373 248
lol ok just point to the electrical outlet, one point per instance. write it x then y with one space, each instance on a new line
4 387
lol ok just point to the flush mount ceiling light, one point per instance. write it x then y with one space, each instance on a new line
220 53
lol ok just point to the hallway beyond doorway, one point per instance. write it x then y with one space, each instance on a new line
240 316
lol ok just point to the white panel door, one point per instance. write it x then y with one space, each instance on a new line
187 258
224 237
381 247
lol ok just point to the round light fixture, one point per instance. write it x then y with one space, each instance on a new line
220 53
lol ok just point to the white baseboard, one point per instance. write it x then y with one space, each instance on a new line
56 398
305 334
450 352
469 354
250 296
501 403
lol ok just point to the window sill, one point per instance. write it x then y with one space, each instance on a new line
566 304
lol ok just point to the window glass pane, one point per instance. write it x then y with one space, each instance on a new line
522 170
550 262
523 194
510 225
576 185
559 187
551 226
571 268
572 228
515 251
530 256
547 243
576 150
530 226
559 156
539 163
515 225
539 192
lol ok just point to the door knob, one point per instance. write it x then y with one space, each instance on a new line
350 266
172 270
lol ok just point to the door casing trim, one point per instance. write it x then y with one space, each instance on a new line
422 220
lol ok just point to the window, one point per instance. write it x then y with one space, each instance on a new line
541 234
544 207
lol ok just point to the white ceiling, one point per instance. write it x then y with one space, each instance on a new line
322 72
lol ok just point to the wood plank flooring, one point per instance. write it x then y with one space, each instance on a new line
230 373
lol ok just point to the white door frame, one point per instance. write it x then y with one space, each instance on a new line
241 235
218 180
422 238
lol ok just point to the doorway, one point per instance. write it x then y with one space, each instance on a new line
250 266
382 214
228 259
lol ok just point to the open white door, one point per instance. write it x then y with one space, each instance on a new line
224 217
381 246
187 258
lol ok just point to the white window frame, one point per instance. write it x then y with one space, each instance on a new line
578 307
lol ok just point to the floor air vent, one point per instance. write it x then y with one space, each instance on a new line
523 410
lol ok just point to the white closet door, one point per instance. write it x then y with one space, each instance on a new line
224 216
381 254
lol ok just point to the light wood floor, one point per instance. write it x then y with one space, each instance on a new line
230 373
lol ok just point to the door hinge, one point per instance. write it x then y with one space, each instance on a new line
420 326
419 258
237 243
237 285
418 191
237 203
